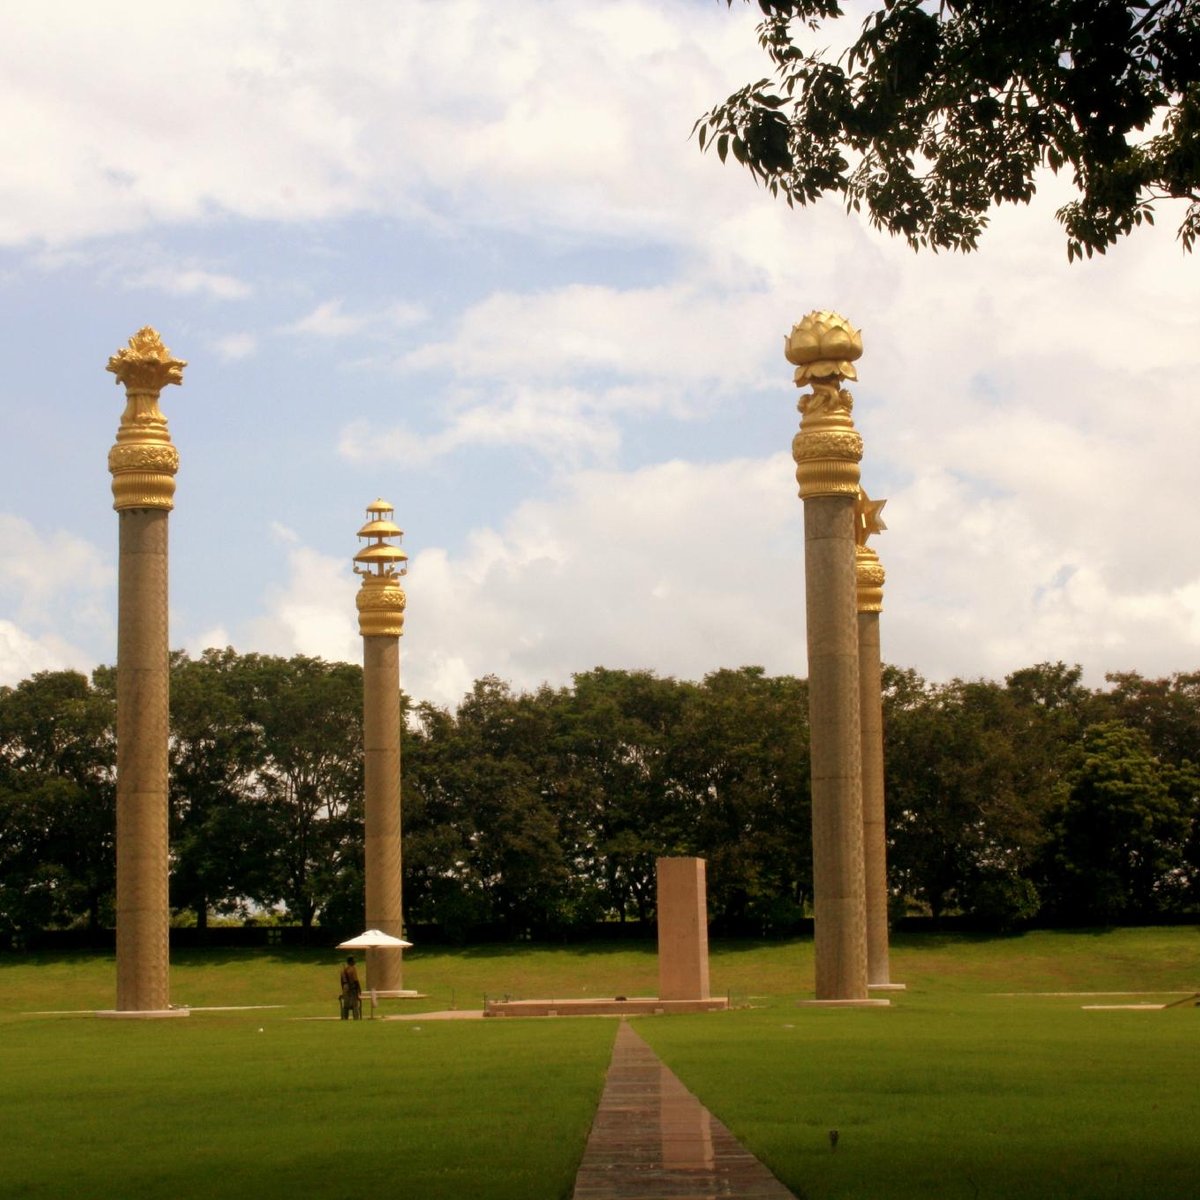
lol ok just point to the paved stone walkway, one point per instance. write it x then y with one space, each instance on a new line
653 1140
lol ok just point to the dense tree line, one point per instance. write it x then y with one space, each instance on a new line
1035 796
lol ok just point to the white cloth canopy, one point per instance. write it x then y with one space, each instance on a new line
373 939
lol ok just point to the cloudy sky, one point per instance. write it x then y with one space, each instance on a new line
466 257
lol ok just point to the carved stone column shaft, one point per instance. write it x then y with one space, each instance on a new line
143 463
838 880
874 822
827 451
142 732
381 766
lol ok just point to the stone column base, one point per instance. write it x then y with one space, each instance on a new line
843 1003
887 987
142 1014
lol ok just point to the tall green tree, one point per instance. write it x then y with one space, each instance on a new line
1047 710
441 885
963 836
1118 837
740 759
937 112
1167 711
615 742
483 836
220 856
305 718
57 801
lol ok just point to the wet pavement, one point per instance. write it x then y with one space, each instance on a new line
651 1139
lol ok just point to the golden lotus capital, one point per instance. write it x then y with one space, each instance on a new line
823 345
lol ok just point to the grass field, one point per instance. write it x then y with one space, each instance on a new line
956 1090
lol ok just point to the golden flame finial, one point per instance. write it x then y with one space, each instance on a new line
146 363
143 463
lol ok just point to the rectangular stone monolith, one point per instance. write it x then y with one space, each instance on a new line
682 929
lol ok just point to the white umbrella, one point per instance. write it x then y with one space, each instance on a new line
374 939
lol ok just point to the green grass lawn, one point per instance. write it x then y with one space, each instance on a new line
954 1091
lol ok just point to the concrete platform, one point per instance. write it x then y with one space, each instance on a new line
596 1007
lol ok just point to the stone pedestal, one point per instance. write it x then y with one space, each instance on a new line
682 929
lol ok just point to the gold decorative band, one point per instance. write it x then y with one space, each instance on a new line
869 578
380 603
143 489
827 477
844 444
143 474
827 461
134 456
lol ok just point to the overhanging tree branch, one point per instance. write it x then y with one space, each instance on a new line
938 112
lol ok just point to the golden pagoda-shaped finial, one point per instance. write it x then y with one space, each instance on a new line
381 600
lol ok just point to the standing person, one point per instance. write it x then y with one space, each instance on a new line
351 991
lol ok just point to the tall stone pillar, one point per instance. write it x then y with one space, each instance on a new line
827 451
870 576
380 603
143 464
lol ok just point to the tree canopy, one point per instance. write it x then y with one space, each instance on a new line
543 812
938 111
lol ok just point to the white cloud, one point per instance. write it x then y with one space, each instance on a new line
234 347
39 571
678 332
678 567
403 314
1033 422
312 612
566 425
302 113
982 585
559 372
22 654
56 591
686 568
188 281
328 320
217 636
